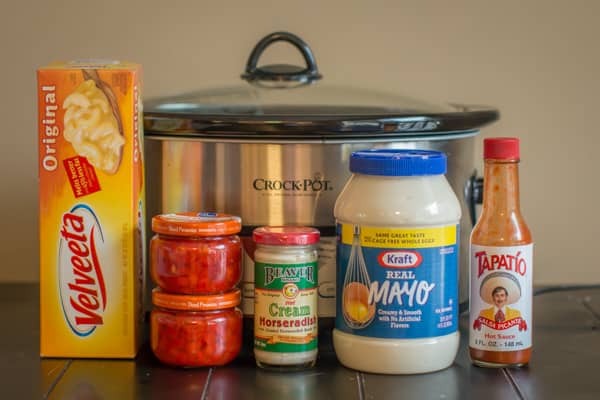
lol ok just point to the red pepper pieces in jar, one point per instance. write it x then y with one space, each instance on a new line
196 253
196 331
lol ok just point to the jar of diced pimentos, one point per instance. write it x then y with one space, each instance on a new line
196 330
195 259
196 253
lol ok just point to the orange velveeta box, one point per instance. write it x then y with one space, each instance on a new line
91 209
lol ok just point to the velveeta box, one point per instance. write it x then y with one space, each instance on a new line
91 209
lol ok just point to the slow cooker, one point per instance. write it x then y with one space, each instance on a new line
275 149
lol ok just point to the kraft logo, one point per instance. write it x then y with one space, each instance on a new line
400 259
82 288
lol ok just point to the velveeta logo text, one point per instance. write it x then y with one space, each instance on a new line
82 287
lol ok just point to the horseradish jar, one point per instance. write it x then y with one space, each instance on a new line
397 264
285 297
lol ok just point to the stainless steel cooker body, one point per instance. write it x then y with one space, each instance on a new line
283 183
276 151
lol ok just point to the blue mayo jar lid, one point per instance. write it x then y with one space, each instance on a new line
398 162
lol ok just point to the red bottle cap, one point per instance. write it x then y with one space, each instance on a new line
501 148
286 235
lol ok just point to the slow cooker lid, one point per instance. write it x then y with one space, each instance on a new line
288 101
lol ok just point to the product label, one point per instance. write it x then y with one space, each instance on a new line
91 199
82 176
397 283
501 290
326 274
285 307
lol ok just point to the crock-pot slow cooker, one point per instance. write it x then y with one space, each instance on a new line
275 151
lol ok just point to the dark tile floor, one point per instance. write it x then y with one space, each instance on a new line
566 354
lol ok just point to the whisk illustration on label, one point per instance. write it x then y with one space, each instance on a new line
358 312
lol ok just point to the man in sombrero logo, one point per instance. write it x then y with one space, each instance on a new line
500 312
499 290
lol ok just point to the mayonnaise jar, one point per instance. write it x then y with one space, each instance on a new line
397 264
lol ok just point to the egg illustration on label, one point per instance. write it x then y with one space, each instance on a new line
356 305
357 311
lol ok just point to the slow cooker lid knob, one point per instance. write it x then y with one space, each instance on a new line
281 75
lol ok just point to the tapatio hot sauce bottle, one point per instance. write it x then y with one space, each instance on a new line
501 265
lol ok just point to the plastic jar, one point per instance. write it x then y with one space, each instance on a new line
285 297
196 331
196 253
397 262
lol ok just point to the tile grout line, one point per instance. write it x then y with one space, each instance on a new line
587 306
58 378
205 390
361 385
513 383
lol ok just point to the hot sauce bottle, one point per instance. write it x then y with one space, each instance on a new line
501 264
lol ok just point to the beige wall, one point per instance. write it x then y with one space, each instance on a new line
539 63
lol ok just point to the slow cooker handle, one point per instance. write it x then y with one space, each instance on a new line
474 195
282 72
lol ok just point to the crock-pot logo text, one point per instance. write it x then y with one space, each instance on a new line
507 262
292 185
50 128
82 287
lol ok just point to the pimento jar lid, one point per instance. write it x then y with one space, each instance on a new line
196 224
186 302
286 235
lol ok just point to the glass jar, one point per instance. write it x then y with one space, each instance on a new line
196 331
285 297
397 264
196 253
